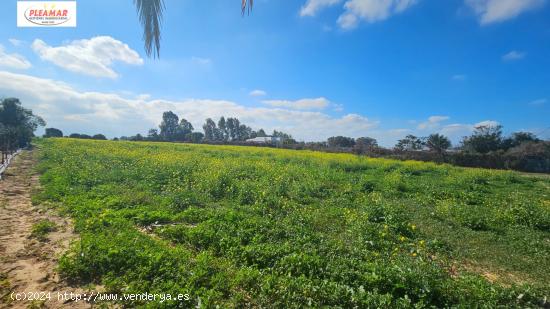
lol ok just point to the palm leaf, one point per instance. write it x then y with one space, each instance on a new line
150 16
244 5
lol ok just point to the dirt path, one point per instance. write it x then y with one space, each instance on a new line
28 264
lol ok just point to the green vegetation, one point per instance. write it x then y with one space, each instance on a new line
41 229
241 226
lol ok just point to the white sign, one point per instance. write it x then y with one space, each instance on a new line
46 13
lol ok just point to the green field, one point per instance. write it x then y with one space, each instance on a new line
259 227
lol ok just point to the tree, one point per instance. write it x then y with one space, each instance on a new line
410 142
99 137
223 130
169 126
185 128
365 144
232 128
17 126
195 137
153 135
341 141
438 143
137 138
150 16
80 136
485 138
519 138
261 133
210 130
53 132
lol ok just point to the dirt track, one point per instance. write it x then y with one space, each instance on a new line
28 264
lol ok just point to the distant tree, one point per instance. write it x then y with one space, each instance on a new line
280 134
245 132
438 143
210 130
261 133
80 136
153 135
137 138
365 144
222 131
53 132
17 126
185 128
232 129
195 137
485 138
410 142
169 126
341 142
99 137
519 138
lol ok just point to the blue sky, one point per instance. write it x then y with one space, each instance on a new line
314 68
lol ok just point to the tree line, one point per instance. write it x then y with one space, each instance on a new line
17 126
486 147
225 130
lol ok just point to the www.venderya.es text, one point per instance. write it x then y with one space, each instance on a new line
98 297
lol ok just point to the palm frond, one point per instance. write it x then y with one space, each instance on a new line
245 4
150 16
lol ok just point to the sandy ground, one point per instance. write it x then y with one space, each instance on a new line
28 264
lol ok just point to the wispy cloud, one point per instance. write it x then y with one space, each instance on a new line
312 7
433 122
93 57
201 61
13 61
16 42
459 77
538 102
371 11
257 93
492 11
303 104
514 55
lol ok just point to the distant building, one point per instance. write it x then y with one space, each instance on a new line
265 140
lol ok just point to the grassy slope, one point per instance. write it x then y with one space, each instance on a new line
265 227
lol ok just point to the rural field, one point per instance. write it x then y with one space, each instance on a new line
257 227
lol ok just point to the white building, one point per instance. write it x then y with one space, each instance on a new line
265 140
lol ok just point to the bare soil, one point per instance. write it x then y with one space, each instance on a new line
28 264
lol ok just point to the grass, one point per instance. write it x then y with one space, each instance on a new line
41 229
258 227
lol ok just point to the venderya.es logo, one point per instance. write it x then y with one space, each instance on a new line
46 13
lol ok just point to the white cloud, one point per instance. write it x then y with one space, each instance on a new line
432 123
311 7
371 11
16 42
513 55
492 11
459 77
93 57
201 61
257 93
97 112
303 104
13 61
487 123
539 102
